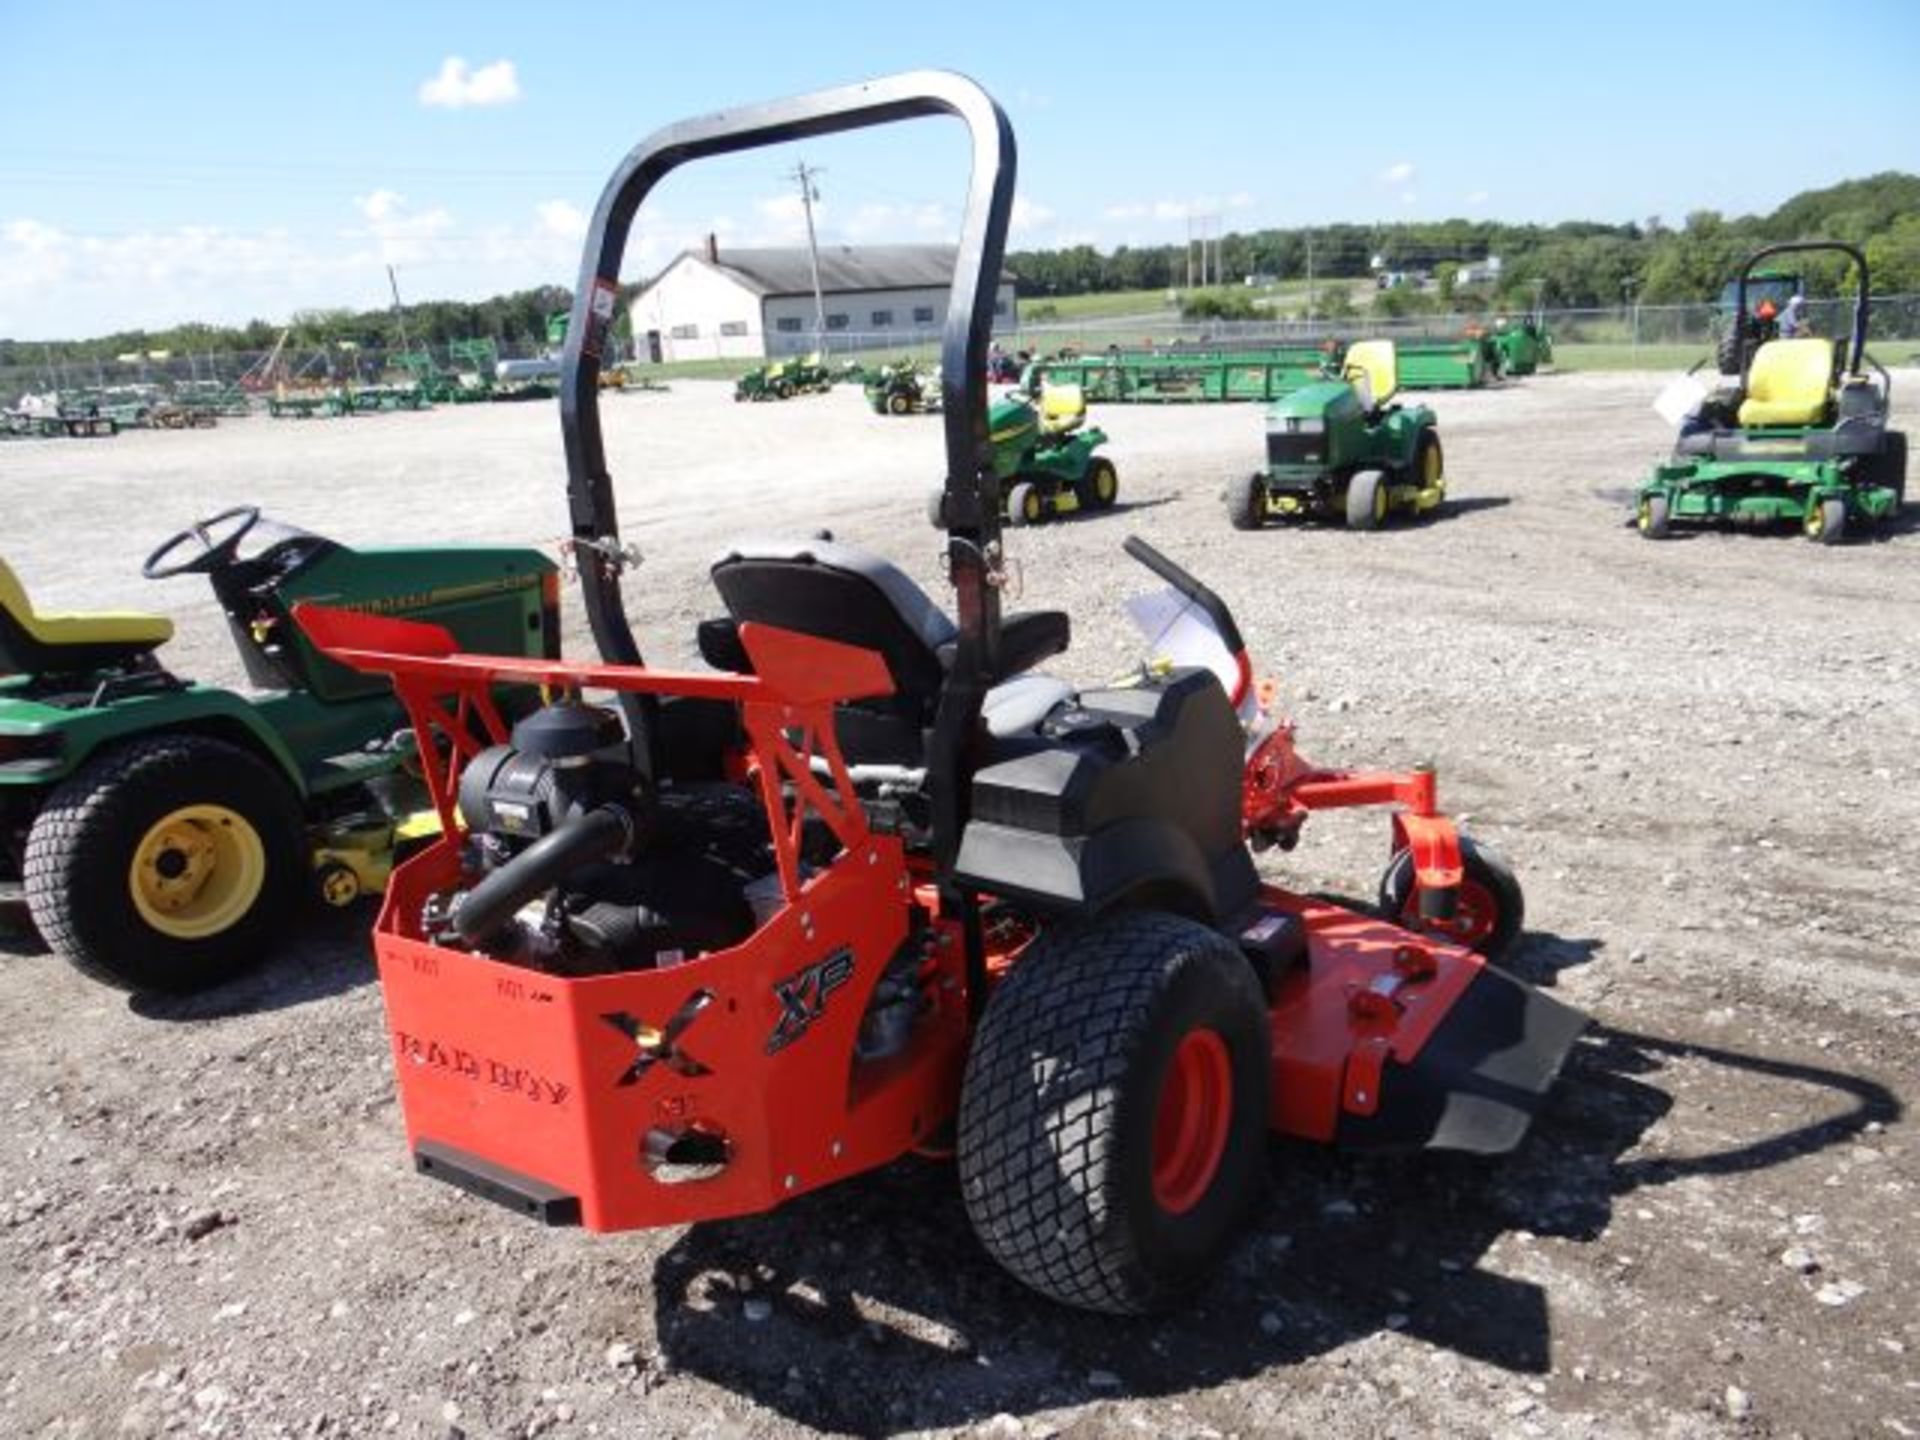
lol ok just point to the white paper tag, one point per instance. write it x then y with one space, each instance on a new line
1680 398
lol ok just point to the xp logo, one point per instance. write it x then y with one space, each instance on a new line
803 997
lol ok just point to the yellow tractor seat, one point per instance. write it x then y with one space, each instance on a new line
1789 383
1374 367
35 644
1063 408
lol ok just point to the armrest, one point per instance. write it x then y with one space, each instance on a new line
1025 640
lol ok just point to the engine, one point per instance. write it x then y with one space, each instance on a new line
576 865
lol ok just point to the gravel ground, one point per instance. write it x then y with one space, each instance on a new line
1698 755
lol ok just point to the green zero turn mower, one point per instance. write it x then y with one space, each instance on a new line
160 831
1341 448
1799 437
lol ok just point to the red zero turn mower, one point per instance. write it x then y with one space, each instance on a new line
873 885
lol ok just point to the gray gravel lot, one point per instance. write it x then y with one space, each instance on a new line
1702 757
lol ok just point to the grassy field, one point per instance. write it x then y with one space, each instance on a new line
1071 309
1574 356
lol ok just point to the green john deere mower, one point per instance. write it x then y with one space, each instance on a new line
160 830
1341 449
901 389
1043 450
1799 437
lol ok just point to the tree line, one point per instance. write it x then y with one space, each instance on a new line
516 320
1576 263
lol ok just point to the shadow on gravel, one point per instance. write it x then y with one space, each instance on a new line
1456 507
1541 956
887 1317
324 955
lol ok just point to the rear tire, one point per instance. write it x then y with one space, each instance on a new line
1099 487
1890 469
1492 908
898 404
1651 517
1429 462
1114 1110
165 864
1826 523
1367 500
1246 502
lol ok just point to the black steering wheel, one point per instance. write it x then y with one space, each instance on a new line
214 552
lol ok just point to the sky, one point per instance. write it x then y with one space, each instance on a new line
224 162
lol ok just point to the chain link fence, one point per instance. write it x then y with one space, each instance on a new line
232 379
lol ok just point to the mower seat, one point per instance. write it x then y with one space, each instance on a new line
36 644
1379 366
849 595
1789 383
1063 409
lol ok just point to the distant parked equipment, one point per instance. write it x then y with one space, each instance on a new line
1342 449
1186 376
1800 438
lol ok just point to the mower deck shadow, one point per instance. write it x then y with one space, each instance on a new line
886 1317
331 955
1455 508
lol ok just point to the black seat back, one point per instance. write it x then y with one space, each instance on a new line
845 594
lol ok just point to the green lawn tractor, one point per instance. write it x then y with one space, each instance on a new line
1754 320
784 379
1518 347
1340 448
161 831
1044 455
901 390
1800 438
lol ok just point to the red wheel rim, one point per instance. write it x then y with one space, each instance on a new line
1475 916
1190 1126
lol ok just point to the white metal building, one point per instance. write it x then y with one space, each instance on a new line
759 302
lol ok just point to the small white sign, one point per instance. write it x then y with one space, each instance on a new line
1680 398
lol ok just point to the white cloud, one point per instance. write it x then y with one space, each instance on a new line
1478 197
457 87
1397 174
400 235
1173 210
58 284
559 219
1029 214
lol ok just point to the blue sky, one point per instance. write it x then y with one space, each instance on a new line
214 161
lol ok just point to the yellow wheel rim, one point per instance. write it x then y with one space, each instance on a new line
1105 484
1430 465
1646 514
197 871
1816 520
1380 503
1032 505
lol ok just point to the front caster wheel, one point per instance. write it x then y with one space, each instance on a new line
1488 915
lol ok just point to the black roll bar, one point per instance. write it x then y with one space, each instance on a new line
971 504
1797 246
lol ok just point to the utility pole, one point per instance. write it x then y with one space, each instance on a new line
1189 252
1309 281
398 314
803 173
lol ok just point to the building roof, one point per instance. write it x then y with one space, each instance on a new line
844 269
